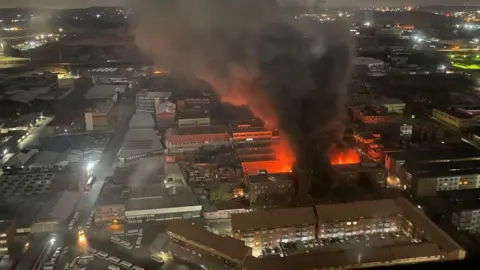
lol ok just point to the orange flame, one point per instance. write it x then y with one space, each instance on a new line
342 157
283 163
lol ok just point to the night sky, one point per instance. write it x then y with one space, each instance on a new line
87 3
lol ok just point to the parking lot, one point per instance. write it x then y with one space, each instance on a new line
337 243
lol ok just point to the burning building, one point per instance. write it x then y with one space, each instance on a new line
344 157
290 73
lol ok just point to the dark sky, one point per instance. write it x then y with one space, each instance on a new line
86 3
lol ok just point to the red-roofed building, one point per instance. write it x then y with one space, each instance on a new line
192 142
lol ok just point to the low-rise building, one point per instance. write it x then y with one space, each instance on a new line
139 143
109 208
369 66
250 131
174 175
147 101
193 118
174 203
374 115
200 247
165 114
142 121
101 117
179 140
269 184
262 229
455 118
424 179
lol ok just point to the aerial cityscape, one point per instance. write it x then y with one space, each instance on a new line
228 134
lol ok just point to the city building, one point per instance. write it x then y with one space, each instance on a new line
195 245
165 114
424 179
369 66
263 229
394 105
250 131
139 143
371 171
455 118
174 175
264 184
100 117
414 238
193 118
162 204
142 121
66 123
374 115
109 207
222 210
147 101
179 140
104 92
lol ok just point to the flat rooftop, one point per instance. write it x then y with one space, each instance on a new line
272 177
140 141
277 218
443 168
456 113
192 114
104 91
150 203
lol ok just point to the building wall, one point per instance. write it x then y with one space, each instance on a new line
424 186
98 121
271 237
453 120
194 122
167 214
107 214
357 227
255 135
467 220
271 187
213 258
194 145
396 108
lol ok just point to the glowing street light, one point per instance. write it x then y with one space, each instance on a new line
90 166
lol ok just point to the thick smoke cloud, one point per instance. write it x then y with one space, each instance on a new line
291 73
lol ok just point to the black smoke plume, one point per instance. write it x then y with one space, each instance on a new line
291 73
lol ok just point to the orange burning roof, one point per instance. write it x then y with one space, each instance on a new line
344 156
271 166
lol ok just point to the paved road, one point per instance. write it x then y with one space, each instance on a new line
105 166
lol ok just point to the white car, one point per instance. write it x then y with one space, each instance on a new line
102 254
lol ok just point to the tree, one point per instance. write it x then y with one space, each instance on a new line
219 192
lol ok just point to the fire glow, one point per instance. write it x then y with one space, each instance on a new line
344 156
283 163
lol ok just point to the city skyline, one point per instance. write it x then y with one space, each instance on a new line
60 4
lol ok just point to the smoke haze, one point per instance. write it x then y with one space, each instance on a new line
291 73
